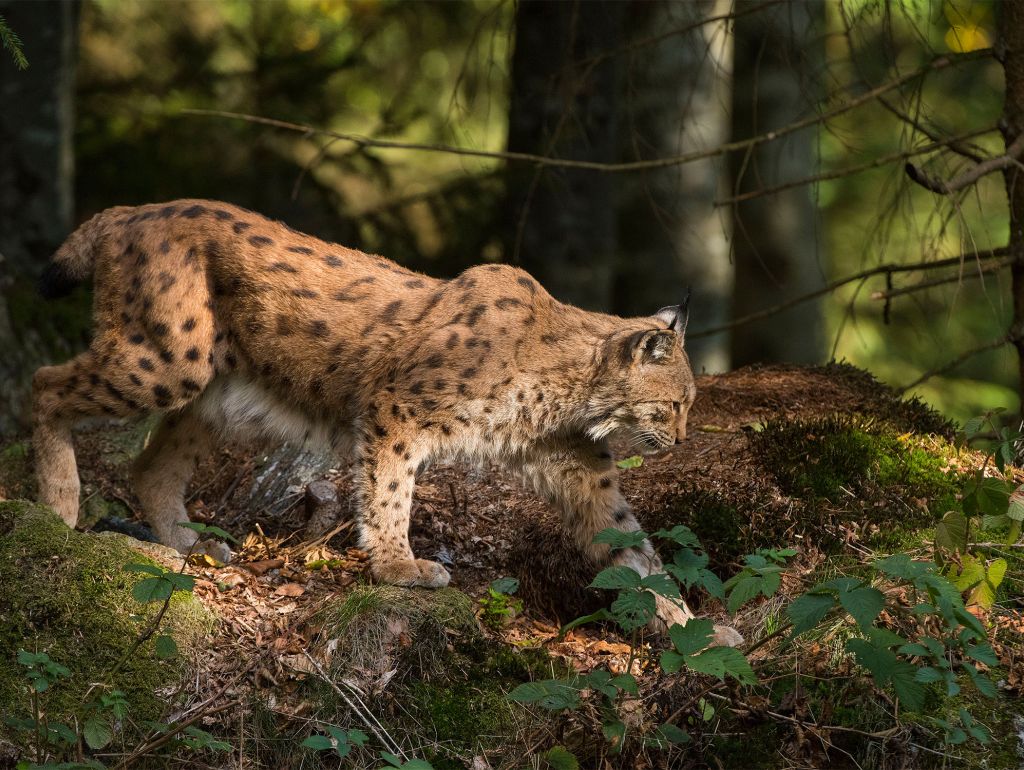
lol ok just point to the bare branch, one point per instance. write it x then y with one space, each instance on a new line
955 146
992 267
971 175
934 65
840 282
952 364
851 170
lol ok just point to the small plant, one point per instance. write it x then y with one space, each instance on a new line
499 606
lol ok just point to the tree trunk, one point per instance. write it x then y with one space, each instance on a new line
560 223
1011 30
36 189
777 239
677 101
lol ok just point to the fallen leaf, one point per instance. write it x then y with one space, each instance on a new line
290 589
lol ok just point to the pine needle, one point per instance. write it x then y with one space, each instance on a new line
13 44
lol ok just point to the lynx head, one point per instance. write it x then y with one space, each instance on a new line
645 387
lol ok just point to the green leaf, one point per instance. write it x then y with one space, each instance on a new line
927 675
1016 508
626 683
722 662
560 758
809 610
743 590
904 682
154 589
97 733
693 637
601 614
630 462
391 759
551 694
506 585
864 604
617 539
633 610
983 653
901 566
666 735
681 535
166 647
974 426
619 576
318 743
988 497
672 662
982 682
951 532
207 529
661 584
614 732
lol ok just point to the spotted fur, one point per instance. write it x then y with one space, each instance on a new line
231 323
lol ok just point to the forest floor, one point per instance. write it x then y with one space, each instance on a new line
285 603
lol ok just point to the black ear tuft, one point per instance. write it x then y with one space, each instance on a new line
676 316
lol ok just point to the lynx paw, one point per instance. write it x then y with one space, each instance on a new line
412 572
214 549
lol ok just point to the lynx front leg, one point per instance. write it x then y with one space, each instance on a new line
582 480
387 476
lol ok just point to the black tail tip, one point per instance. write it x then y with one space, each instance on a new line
55 282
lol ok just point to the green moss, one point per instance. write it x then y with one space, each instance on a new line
448 690
67 594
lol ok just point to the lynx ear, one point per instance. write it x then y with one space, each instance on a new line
652 345
676 316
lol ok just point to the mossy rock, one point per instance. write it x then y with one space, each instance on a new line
67 594
436 675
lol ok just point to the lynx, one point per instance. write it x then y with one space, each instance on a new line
232 324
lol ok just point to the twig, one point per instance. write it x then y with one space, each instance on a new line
971 175
992 267
939 63
955 146
368 719
952 364
851 170
880 734
840 282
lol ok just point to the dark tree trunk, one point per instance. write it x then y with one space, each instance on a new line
777 239
559 223
1011 24
677 101
36 174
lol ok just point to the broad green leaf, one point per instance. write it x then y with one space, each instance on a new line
988 496
207 529
902 566
672 662
560 758
951 532
391 759
680 535
809 610
153 589
904 682
864 604
551 694
693 637
601 614
722 662
983 653
974 426
626 683
615 577
1016 508
630 462
97 733
674 734
927 674
633 609
617 539
982 682
318 743
506 585
661 584
743 590
615 733
166 647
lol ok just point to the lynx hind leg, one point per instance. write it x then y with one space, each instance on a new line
161 475
582 481
387 476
